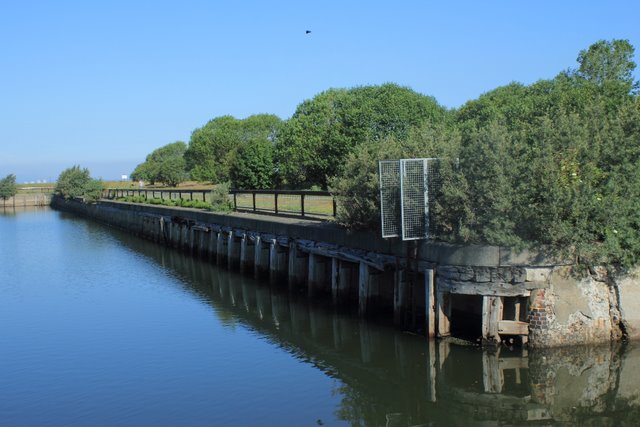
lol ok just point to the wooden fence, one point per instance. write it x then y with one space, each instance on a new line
278 202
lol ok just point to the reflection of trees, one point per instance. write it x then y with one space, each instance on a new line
385 374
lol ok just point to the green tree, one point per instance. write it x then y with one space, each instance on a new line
8 187
165 164
214 147
316 140
252 165
607 60
75 182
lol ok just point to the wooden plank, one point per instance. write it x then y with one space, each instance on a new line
430 303
490 289
492 308
443 309
513 327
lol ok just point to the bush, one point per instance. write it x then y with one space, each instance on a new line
8 187
75 182
220 198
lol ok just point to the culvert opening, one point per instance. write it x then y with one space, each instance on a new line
466 317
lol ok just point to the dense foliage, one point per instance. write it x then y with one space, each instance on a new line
166 165
227 148
8 187
323 131
75 182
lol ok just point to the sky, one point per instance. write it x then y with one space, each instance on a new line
101 84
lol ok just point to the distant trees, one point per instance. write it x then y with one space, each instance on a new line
8 187
166 165
76 182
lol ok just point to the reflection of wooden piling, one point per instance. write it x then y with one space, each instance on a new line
432 370
492 375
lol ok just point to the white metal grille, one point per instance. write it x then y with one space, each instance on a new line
390 197
413 207
405 202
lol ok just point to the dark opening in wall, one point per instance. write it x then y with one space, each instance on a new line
466 316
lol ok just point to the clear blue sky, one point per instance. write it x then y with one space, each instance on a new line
103 83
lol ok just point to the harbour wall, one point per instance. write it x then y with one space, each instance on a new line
24 200
493 293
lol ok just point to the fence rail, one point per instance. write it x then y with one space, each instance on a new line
279 202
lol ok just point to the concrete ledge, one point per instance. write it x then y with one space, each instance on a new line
323 231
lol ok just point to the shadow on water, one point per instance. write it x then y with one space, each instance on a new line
392 378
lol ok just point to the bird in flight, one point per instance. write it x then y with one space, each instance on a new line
308 32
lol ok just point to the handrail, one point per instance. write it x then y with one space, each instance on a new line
279 208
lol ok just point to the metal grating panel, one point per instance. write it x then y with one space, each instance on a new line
434 186
408 190
389 173
413 208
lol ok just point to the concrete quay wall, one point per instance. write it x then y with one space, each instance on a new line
27 200
437 289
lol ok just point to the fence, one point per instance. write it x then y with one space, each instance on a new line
278 202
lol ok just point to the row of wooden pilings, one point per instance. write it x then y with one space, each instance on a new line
374 283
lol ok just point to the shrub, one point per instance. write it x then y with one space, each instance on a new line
8 187
75 182
220 198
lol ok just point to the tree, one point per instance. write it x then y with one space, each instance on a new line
165 164
252 165
75 182
8 187
607 61
314 143
213 148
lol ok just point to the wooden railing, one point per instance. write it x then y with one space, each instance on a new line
285 202
277 202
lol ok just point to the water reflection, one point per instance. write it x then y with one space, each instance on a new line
392 378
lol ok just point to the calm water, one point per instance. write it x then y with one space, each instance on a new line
98 328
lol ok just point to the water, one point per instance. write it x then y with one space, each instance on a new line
100 328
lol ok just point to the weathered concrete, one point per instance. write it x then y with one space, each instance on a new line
25 200
629 300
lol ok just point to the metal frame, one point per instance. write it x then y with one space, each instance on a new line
410 197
